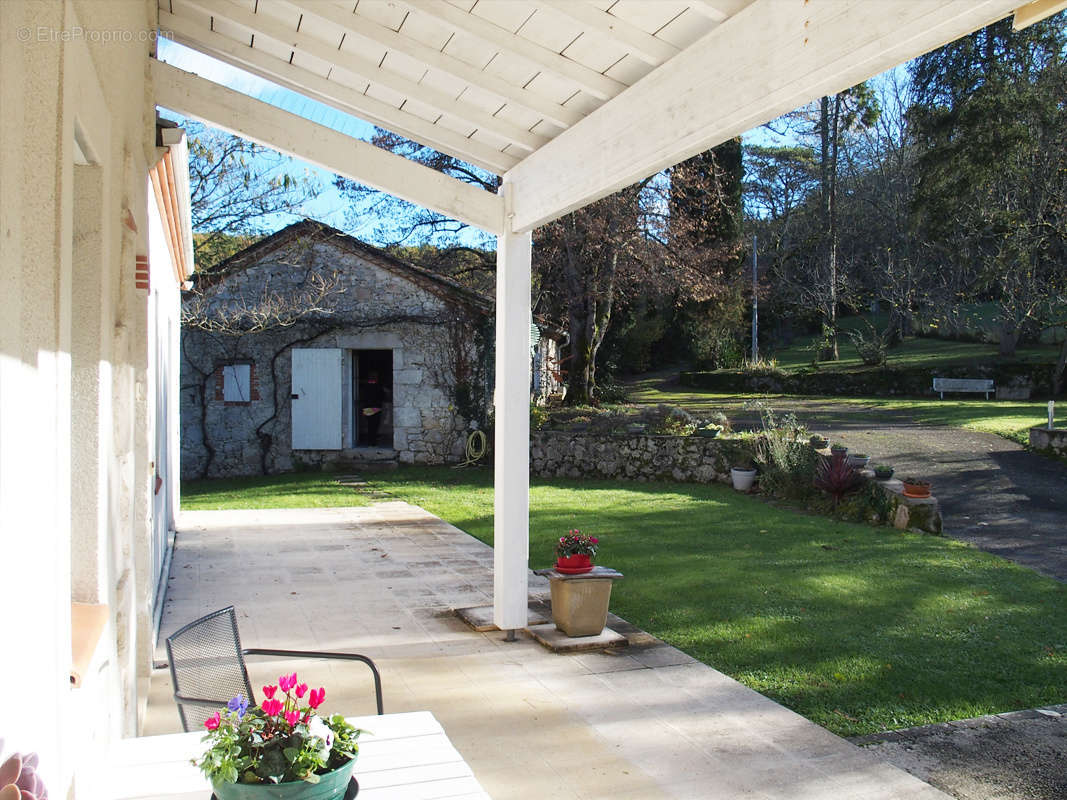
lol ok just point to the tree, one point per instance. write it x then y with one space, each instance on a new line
235 188
990 118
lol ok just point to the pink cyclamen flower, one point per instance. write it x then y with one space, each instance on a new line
594 540
287 682
292 717
301 689
316 697
212 723
269 691
271 707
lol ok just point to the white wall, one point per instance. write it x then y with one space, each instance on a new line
74 454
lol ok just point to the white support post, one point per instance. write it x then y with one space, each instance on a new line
511 495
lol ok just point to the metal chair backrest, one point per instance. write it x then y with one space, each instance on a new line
207 667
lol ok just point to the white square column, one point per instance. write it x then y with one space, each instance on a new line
511 447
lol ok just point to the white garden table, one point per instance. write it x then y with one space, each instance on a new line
401 757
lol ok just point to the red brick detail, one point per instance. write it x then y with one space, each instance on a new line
253 384
140 274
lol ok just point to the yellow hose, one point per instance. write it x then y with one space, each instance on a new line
477 446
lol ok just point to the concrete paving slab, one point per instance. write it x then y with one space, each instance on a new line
647 722
558 642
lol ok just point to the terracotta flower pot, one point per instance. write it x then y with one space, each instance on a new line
916 489
574 565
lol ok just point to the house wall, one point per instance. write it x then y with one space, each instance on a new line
74 411
370 308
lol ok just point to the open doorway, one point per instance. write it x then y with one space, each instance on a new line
372 386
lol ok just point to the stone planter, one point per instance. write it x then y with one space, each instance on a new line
580 602
742 478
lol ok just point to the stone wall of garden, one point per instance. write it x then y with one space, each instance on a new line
694 459
1049 440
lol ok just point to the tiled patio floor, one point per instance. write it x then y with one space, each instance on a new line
381 580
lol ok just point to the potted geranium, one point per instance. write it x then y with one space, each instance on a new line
575 552
281 748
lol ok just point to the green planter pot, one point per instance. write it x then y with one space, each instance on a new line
331 786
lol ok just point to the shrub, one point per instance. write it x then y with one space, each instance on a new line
664 420
872 346
787 463
538 418
837 477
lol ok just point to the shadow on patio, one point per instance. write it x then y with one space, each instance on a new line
648 722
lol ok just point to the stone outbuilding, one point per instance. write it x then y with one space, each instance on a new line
312 348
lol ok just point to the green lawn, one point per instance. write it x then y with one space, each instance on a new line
927 351
859 629
1008 418
298 490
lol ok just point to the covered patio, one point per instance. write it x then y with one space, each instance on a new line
643 721
566 102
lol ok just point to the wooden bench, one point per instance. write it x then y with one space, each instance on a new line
979 385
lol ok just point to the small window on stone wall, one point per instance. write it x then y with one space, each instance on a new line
235 384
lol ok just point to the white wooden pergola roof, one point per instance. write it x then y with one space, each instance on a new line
568 100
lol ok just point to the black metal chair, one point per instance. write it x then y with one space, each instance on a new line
207 666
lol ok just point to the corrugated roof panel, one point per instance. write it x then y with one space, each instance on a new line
510 15
583 103
465 5
284 14
685 29
516 71
383 12
547 128
595 51
443 82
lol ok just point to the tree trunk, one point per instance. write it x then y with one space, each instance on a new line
1058 372
1009 338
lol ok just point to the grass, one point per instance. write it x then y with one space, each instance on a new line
297 490
859 629
1008 418
915 351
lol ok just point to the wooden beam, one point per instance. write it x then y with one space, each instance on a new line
343 98
706 9
642 44
209 102
367 29
1035 12
261 24
589 80
769 58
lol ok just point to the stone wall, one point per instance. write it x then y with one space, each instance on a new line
688 459
1049 440
372 309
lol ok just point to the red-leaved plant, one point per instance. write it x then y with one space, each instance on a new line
837 477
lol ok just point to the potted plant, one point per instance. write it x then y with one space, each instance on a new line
916 487
743 475
837 447
859 460
279 749
818 442
575 552
709 431
883 472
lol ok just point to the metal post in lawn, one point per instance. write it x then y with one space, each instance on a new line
755 305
